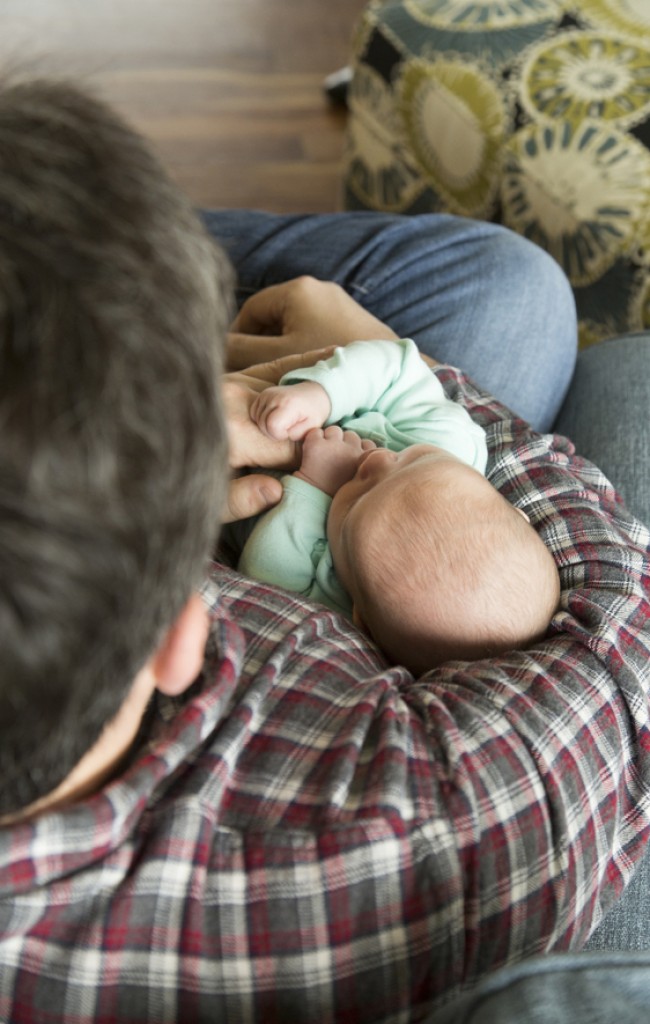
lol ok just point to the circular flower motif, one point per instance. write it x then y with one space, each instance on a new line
454 121
579 192
630 16
377 169
581 75
476 15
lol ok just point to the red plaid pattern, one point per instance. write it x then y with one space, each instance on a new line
314 836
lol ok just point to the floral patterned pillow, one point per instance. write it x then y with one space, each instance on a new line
533 113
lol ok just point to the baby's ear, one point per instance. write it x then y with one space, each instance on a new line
522 513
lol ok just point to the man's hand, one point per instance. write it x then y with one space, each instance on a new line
280 329
330 457
248 446
251 494
290 410
299 316
263 375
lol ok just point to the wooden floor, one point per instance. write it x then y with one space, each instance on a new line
228 91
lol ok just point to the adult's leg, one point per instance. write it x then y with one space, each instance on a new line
605 414
469 293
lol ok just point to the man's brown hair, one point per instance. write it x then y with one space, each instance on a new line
114 304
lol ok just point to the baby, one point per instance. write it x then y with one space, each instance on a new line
390 518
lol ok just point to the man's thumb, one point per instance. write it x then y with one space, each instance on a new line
250 495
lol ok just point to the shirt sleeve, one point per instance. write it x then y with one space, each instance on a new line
288 546
389 381
489 810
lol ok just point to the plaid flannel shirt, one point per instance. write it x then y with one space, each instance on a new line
313 836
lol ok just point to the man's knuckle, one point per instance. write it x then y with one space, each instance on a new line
305 282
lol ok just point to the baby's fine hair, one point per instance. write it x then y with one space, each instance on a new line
458 573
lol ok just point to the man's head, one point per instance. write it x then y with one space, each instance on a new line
113 309
439 565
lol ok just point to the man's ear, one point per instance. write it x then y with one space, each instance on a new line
179 658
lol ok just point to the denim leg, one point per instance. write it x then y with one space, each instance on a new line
469 293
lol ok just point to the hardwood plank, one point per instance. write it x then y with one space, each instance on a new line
228 91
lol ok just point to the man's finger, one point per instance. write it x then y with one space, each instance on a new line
429 360
250 495
263 312
258 375
243 350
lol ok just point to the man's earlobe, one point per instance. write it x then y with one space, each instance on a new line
179 658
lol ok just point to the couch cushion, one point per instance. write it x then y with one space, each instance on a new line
533 113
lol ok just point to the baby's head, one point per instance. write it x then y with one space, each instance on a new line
438 564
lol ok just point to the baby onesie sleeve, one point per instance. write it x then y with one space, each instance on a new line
385 391
288 546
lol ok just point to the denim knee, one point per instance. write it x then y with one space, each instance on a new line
536 281
481 297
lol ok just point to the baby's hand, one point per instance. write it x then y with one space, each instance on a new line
330 457
290 410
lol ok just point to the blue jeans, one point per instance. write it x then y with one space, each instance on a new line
470 294
479 297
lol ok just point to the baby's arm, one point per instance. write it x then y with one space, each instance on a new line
291 410
330 457
285 543
288 544
389 380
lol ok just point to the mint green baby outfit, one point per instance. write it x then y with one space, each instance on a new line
383 391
